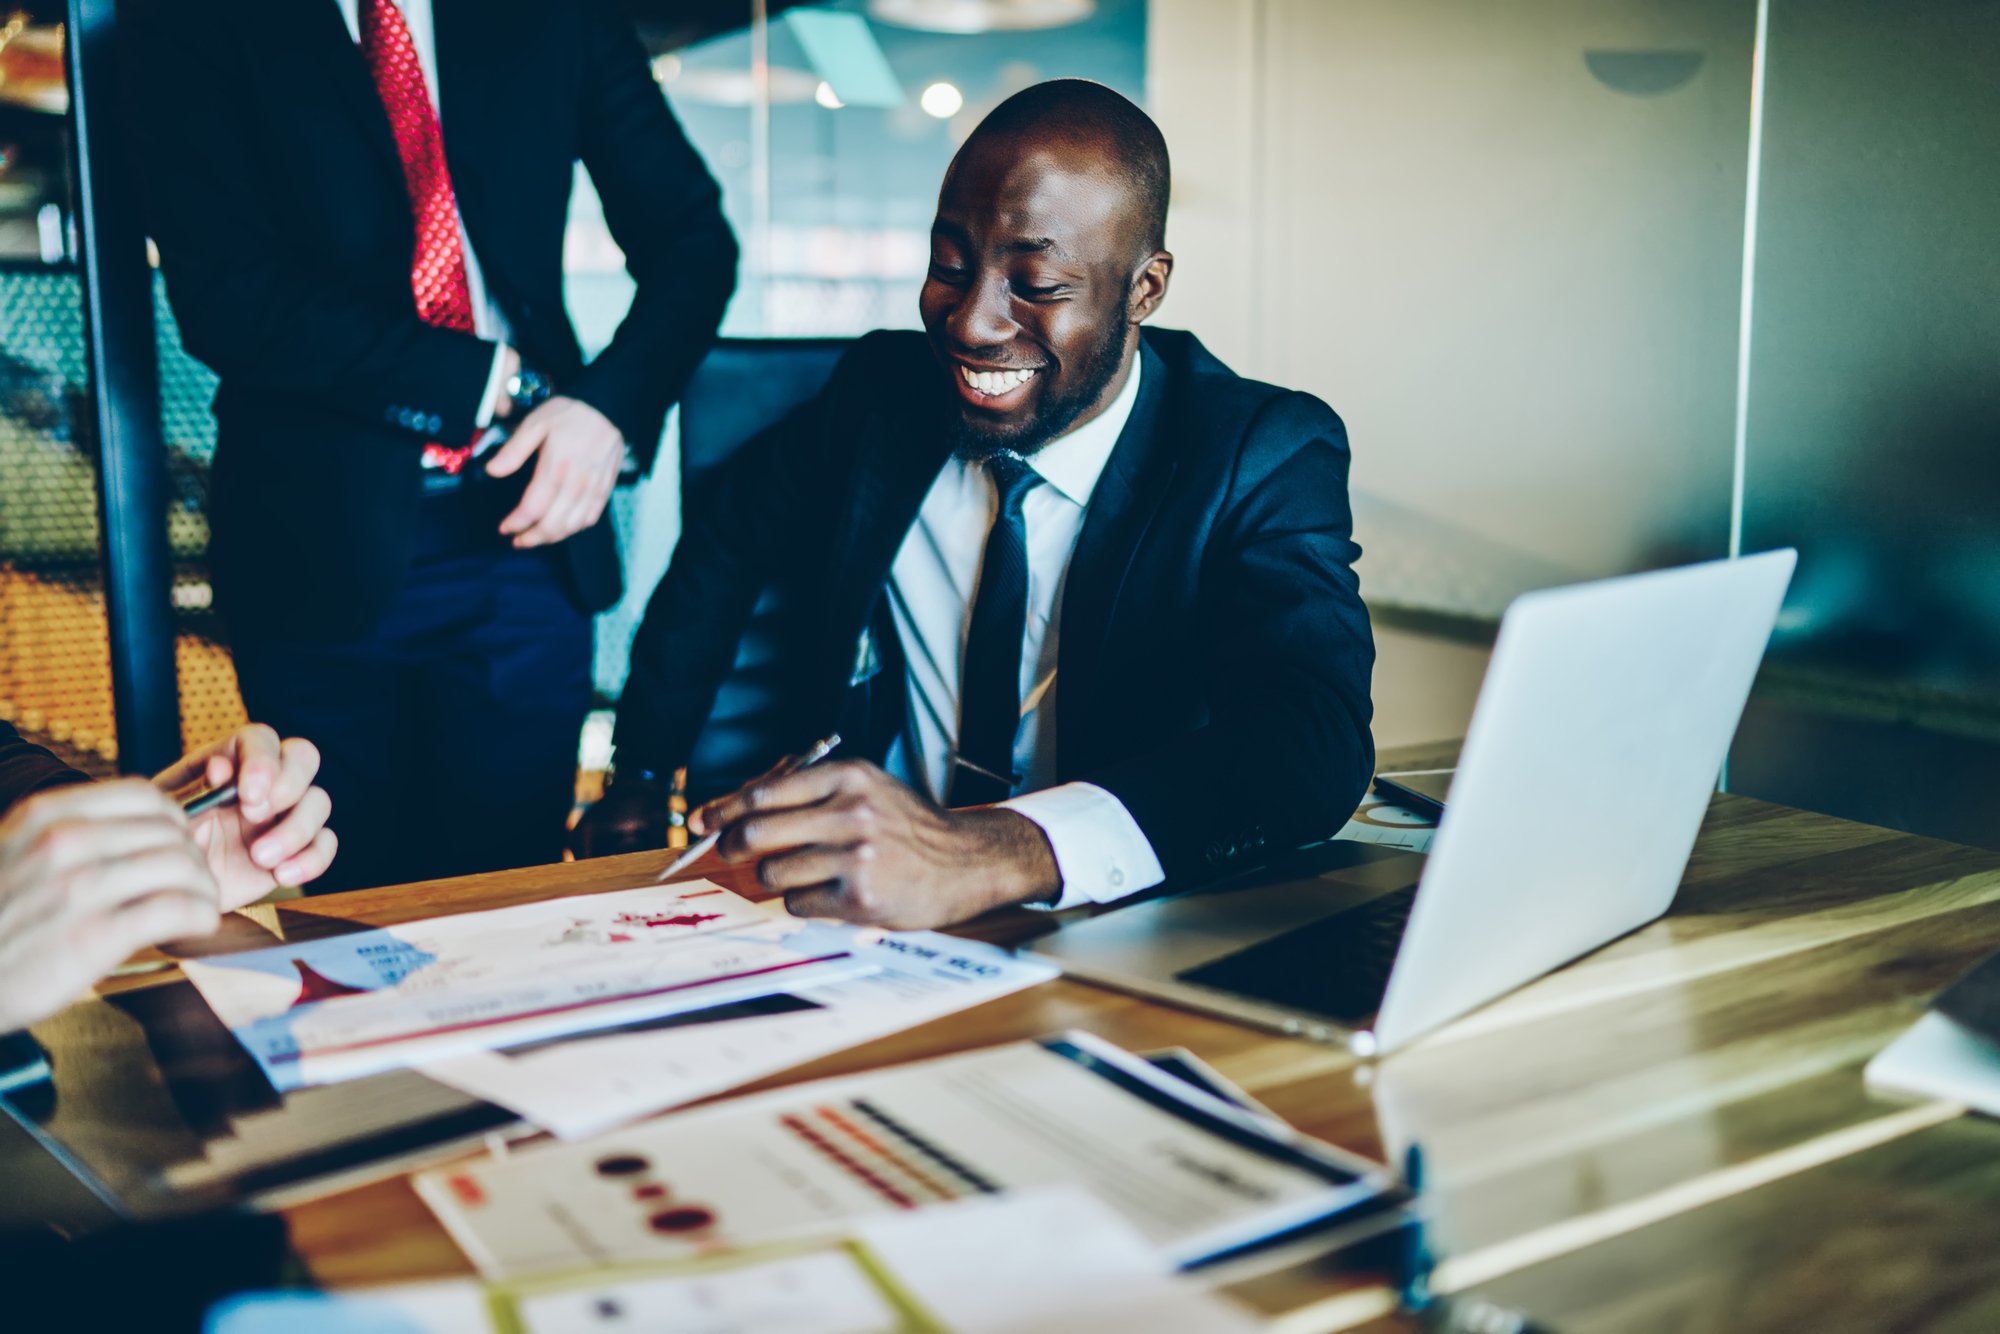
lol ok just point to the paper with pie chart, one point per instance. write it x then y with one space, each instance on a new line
1388 825
325 1010
1195 1176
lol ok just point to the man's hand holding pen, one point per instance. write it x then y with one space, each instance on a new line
846 840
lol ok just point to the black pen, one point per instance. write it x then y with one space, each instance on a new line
201 803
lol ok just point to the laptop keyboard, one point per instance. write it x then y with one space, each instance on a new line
1337 967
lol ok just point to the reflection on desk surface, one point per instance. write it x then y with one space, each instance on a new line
156 1098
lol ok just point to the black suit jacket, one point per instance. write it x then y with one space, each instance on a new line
276 197
1214 660
26 769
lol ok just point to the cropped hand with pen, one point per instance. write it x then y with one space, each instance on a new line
90 873
846 840
275 832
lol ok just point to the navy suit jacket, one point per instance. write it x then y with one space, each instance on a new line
1214 660
276 195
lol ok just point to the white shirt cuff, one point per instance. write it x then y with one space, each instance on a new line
1100 850
486 404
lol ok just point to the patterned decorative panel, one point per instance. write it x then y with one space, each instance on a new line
55 680
55 676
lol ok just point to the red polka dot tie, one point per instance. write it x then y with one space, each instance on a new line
437 268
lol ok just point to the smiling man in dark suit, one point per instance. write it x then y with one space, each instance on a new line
360 208
1081 599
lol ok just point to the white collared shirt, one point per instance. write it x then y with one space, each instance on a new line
487 321
1099 847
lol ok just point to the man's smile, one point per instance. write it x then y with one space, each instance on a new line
1001 389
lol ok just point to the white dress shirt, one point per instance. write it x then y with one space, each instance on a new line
1099 847
487 321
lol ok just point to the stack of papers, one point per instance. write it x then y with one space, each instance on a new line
1047 1260
1193 1175
327 1010
588 1085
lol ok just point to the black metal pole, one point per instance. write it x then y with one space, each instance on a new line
124 397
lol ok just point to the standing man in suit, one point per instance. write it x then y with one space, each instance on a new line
360 207
1083 602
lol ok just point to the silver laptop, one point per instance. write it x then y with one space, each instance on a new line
1602 724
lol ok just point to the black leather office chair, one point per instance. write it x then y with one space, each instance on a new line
743 387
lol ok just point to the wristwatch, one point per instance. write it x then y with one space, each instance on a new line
527 389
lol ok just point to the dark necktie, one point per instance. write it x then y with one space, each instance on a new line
989 699
437 266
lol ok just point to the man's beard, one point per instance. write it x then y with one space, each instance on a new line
975 443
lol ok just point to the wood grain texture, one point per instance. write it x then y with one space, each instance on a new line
1674 1086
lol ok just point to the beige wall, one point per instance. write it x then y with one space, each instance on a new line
1424 687
1517 285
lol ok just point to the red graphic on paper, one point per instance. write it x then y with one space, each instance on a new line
854 1166
654 920
316 986
685 1218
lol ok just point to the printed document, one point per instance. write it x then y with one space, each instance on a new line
326 1010
1033 1261
588 1085
1193 1175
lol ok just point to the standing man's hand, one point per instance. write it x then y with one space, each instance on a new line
275 832
89 875
848 841
580 453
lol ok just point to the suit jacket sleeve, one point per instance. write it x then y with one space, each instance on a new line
665 212
1286 753
769 508
26 769
259 315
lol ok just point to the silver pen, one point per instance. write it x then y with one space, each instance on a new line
789 765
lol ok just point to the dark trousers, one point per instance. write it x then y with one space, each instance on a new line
448 734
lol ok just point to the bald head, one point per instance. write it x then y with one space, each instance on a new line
1093 128
1045 260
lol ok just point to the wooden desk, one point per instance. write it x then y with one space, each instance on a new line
1671 1133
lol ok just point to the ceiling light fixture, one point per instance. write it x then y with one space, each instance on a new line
971 16
942 100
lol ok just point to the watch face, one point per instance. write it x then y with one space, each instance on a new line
528 388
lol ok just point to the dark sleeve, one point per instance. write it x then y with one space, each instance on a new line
1286 754
665 212
767 509
258 314
26 769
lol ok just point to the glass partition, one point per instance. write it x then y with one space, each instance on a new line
1872 439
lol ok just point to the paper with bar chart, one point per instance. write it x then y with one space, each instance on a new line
326 1010
1193 1175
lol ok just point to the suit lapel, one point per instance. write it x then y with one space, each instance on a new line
902 450
329 55
1121 508
473 82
